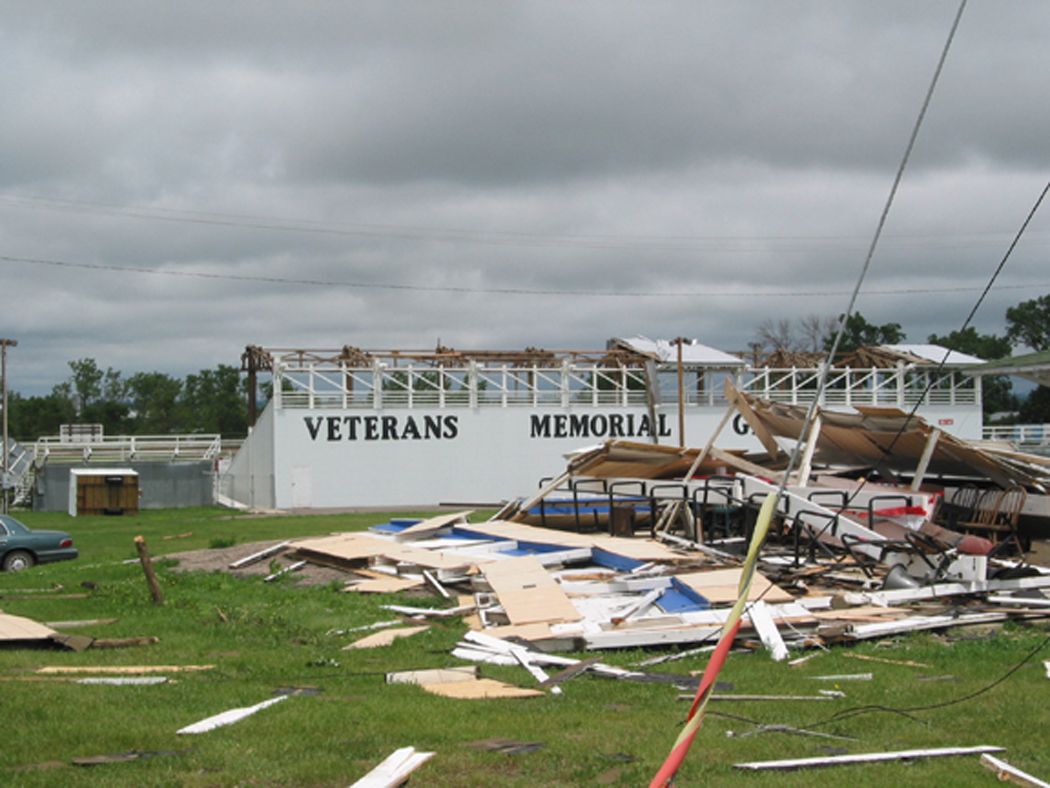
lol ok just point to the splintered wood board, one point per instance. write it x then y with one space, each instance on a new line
720 586
19 628
480 689
527 593
385 637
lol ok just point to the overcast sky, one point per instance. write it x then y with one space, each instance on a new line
676 168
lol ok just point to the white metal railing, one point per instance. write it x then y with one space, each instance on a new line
1028 435
324 384
126 448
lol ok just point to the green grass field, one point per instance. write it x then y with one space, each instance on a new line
262 637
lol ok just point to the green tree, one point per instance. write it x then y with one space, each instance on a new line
32 417
1028 323
996 390
214 400
85 384
154 401
860 333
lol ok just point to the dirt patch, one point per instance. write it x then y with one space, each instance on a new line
219 560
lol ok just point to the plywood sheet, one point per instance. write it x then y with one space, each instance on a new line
13 628
384 585
345 547
480 689
720 586
528 593
385 638
432 524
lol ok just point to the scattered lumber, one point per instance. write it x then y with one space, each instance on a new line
395 769
1011 774
53 670
871 757
384 637
259 555
229 717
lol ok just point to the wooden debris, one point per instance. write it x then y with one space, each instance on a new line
147 640
53 670
169 537
78 623
843 677
294 567
905 662
395 769
229 717
1011 774
124 681
384 637
433 675
21 630
266 552
871 757
762 621
480 689
147 568
382 585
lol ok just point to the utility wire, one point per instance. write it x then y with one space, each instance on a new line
798 244
822 375
514 291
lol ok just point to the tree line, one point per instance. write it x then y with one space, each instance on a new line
145 403
215 400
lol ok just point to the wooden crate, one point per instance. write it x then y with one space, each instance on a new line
111 491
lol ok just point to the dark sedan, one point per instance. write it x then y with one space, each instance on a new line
21 547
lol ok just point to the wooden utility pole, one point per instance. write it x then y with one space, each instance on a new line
4 345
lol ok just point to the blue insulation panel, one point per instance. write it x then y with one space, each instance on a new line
680 598
613 561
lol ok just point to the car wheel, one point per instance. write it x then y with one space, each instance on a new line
17 560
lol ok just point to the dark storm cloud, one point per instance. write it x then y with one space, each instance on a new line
736 149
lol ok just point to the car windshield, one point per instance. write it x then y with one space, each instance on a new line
12 524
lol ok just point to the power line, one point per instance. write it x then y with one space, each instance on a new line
511 291
730 244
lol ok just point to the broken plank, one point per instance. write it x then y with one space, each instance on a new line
147 640
395 769
768 633
906 662
229 717
266 552
433 675
870 757
1007 773
52 670
384 637
78 623
284 571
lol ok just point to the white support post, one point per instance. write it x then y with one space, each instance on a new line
472 383
342 377
924 460
377 385
565 399
806 463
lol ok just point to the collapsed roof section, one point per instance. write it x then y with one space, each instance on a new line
891 440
